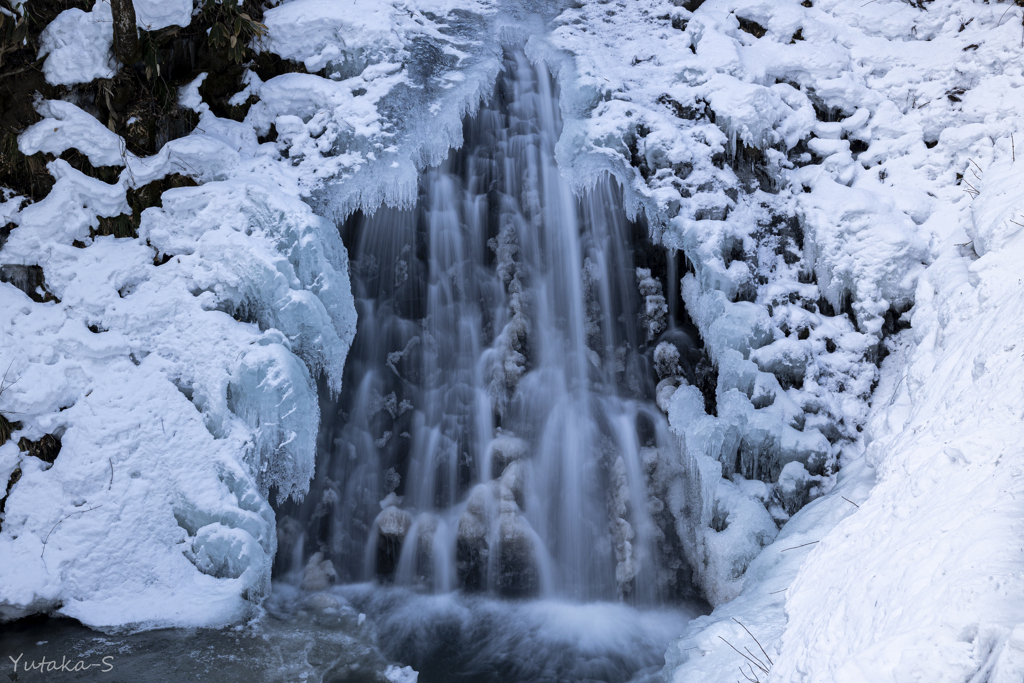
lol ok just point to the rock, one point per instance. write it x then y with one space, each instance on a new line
666 360
392 526
517 563
511 488
506 449
319 574
394 522
474 522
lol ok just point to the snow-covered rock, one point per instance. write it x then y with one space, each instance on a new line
176 369
153 15
77 46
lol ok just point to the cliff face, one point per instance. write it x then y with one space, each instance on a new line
170 300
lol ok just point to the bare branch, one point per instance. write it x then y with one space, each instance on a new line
755 640
799 546
741 654
61 520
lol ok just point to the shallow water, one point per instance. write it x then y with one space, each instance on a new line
366 634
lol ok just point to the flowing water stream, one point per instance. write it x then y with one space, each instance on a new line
497 435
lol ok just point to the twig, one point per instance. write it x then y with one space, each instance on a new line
756 658
1013 150
1015 222
903 377
61 520
975 163
1004 15
781 591
111 473
849 501
799 546
755 640
755 679
740 653
3 382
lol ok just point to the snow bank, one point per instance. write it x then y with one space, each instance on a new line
707 126
153 15
824 168
937 544
171 369
175 369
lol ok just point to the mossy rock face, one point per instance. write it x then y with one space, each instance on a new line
21 81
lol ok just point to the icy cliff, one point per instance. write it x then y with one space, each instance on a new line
160 380
825 167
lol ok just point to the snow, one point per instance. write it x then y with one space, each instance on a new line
858 517
77 46
938 542
862 125
153 15
64 126
317 32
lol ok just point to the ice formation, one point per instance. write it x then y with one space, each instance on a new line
808 161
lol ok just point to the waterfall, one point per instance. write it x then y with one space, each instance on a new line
497 429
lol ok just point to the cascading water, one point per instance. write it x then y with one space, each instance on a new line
497 431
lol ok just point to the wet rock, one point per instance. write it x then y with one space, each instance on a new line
394 522
319 574
472 549
474 522
392 526
517 574
506 449
511 488
330 611
666 360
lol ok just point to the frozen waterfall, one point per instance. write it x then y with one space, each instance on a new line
497 431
